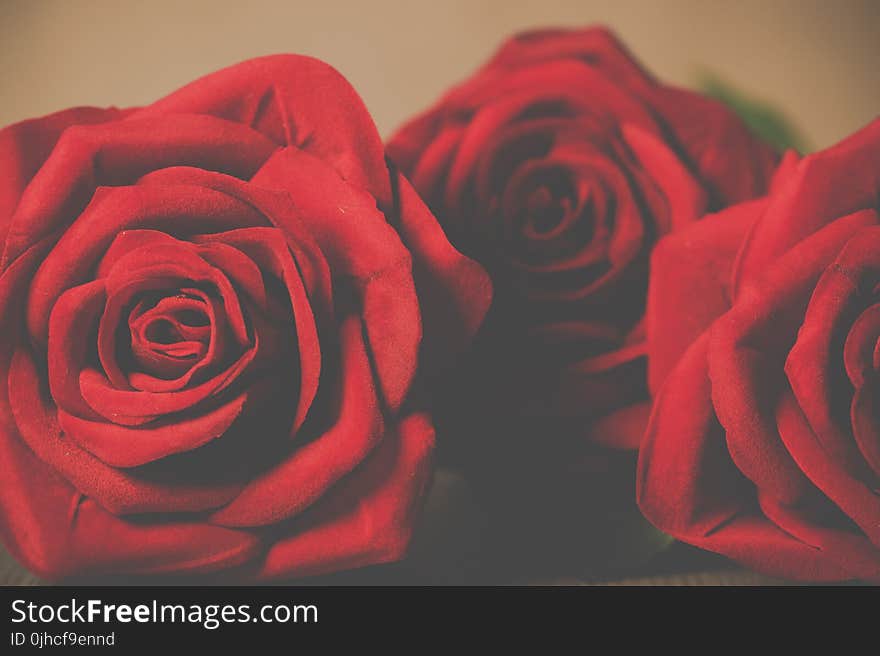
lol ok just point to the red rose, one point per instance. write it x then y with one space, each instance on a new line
557 166
764 330
212 312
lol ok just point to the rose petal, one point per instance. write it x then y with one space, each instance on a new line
688 486
278 207
120 446
118 491
267 247
686 198
118 153
149 549
454 291
171 268
748 344
277 96
172 365
306 275
860 346
858 501
852 552
730 160
72 330
433 164
814 367
294 484
866 423
358 242
366 519
25 146
135 407
811 196
596 46
498 98
689 284
178 210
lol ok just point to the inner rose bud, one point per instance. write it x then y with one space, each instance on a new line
544 212
548 213
170 335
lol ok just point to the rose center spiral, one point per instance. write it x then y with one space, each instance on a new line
169 335
545 211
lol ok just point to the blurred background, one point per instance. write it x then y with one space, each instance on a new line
815 59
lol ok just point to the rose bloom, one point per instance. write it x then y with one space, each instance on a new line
764 344
212 311
558 165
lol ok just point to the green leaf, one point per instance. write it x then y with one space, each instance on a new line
765 120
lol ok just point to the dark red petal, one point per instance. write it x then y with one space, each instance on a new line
121 492
728 158
686 199
171 365
135 407
688 486
813 367
860 346
182 210
234 264
593 48
343 218
454 291
118 153
687 483
147 548
295 101
169 268
280 212
865 420
241 271
689 285
127 241
595 384
25 146
824 186
120 446
72 329
268 248
746 356
596 46
297 482
499 96
358 243
367 518
433 164
844 548
857 500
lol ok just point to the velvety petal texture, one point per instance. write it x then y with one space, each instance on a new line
558 165
764 336
216 312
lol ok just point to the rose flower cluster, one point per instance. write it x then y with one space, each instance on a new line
234 323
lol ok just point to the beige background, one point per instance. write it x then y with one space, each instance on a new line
819 60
